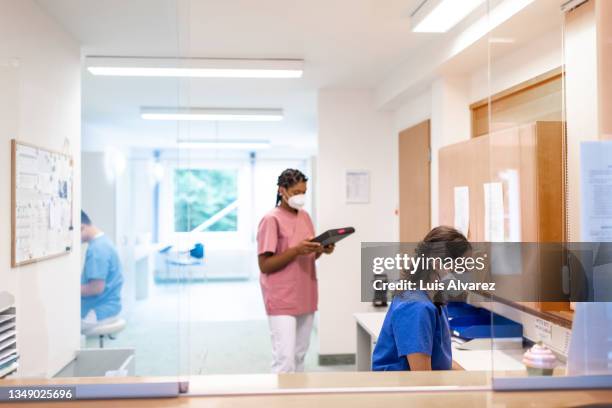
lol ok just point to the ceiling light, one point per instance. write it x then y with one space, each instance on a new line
212 114
226 144
496 17
195 67
439 16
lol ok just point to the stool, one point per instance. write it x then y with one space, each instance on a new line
109 329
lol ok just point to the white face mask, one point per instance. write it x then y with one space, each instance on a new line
450 276
297 201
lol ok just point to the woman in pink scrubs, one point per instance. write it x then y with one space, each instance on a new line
288 276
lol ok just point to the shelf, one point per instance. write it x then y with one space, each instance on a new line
8 335
6 371
567 316
561 318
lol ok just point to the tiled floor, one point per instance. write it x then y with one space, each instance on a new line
203 328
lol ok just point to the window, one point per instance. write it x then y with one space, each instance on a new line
205 200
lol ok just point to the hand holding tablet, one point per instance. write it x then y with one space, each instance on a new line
333 235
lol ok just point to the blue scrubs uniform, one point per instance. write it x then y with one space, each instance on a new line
102 262
413 324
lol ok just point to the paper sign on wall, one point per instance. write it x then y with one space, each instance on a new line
462 209
596 175
357 186
494 212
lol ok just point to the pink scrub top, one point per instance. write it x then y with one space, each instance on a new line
292 290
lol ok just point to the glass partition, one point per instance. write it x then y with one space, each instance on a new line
10 82
80 300
545 190
220 180
525 194
133 328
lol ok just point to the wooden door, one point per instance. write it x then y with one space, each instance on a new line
414 182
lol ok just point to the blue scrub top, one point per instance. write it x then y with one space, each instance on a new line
413 324
102 262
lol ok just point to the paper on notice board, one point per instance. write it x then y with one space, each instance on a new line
42 214
462 209
494 212
55 215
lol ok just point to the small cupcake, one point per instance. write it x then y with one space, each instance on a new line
539 360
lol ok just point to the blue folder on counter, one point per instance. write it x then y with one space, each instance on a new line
458 309
469 322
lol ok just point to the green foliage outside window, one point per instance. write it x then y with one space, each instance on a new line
201 193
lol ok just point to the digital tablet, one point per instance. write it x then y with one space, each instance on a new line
333 235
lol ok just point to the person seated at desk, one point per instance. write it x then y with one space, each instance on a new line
415 335
102 278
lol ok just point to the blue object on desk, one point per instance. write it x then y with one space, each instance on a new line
484 325
458 309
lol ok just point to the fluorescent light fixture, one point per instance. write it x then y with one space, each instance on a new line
225 144
496 17
195 67
439 16
212 114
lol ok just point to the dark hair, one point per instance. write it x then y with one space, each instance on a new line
289 178
85 220
441 242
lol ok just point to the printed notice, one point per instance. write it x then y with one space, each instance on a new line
357 187
596 181
543 330
462 209
494 212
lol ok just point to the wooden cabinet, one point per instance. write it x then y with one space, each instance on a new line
529 163
532 155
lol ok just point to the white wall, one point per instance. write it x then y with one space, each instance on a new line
40 104
415 111
352 135
507 69
98 193
450 123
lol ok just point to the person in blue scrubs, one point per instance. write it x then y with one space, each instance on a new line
102 277
415 335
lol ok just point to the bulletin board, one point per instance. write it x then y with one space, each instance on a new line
41 204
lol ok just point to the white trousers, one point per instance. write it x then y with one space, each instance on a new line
290 340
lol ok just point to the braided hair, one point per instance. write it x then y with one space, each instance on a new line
289 178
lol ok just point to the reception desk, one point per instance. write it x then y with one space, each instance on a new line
354 389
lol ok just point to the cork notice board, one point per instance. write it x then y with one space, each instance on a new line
41 204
